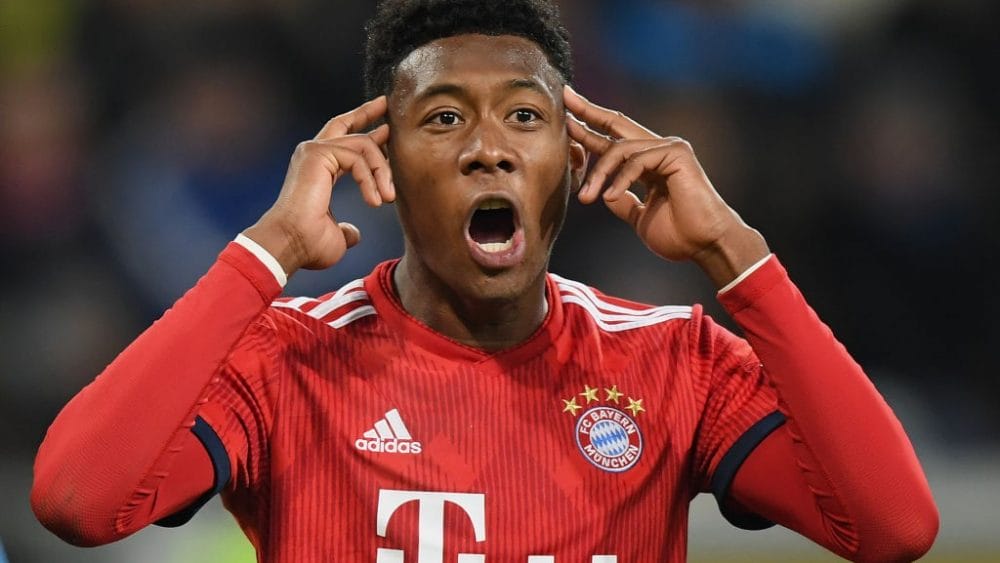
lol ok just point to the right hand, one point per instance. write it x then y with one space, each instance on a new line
299 230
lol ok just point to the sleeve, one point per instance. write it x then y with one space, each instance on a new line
740 410
122 440
841 471
232 427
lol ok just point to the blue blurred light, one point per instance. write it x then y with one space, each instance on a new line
680 45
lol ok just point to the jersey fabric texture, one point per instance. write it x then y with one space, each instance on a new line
342 429
312 404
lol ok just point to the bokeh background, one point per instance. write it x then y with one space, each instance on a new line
860 136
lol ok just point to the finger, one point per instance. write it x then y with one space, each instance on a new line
360 151
637 164
592 141
346 157
380 169
366 181
627 208
352 235
630 171
607 165
603 119
380 135
356 120
593 185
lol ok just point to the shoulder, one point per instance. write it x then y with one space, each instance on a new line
610 314
330 312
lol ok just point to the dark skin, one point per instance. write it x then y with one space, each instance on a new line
475 119
476 116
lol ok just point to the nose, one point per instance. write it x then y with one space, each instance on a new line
487 150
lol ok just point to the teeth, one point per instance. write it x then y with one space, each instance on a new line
494 204
493 247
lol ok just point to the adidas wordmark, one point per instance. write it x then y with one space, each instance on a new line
389 435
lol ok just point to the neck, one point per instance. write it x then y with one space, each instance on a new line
488 324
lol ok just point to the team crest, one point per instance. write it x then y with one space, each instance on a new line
606 435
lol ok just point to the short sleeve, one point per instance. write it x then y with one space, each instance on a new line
740 410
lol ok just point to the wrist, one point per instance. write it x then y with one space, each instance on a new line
732 254
278 243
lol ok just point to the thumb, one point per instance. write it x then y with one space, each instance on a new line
351 234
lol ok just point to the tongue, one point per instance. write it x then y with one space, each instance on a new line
492 225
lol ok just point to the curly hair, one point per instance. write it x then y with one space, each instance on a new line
401 26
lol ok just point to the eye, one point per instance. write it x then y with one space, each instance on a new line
525 115
445 118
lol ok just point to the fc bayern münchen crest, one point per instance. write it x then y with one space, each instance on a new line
607 436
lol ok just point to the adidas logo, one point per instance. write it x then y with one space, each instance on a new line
389 435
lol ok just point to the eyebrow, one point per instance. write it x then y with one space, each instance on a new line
449 88
527 83
439 89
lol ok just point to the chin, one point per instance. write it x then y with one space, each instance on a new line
505 285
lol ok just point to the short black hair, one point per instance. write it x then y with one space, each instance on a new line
401 26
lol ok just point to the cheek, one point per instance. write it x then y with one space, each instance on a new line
554 210
410 174
423 201
416 165
550 178
549 155
549 163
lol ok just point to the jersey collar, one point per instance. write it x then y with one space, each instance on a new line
380 290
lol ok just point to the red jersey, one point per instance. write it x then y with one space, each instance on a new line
359 434
342 429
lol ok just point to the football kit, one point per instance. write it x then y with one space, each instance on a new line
376 435
341 428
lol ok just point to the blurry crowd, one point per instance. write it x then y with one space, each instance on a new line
861 137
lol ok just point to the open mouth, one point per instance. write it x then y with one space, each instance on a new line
492 226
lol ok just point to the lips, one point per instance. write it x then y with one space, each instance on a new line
494 233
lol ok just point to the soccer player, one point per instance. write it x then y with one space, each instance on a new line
462 403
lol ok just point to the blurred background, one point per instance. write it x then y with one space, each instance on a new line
860 136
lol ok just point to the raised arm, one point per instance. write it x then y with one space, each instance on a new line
122 453
841 470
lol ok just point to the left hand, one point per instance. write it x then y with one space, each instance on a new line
682 216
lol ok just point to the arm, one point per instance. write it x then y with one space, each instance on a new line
841 470
122 453
112 446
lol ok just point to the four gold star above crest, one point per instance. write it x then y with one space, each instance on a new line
635 406
570 406
613 393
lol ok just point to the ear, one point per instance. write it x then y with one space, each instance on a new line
578 157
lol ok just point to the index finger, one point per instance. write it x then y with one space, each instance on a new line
354 121
592 141
603 119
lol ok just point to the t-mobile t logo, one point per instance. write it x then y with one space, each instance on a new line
430 521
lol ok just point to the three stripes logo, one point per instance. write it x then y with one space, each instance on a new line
389 435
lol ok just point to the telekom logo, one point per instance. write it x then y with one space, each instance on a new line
430 521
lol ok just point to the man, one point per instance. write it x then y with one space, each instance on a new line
461 403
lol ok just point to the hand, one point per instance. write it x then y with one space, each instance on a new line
682 216
299 230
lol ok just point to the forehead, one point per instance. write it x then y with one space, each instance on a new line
471 59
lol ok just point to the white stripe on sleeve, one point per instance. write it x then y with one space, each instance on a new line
746 273
264 256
